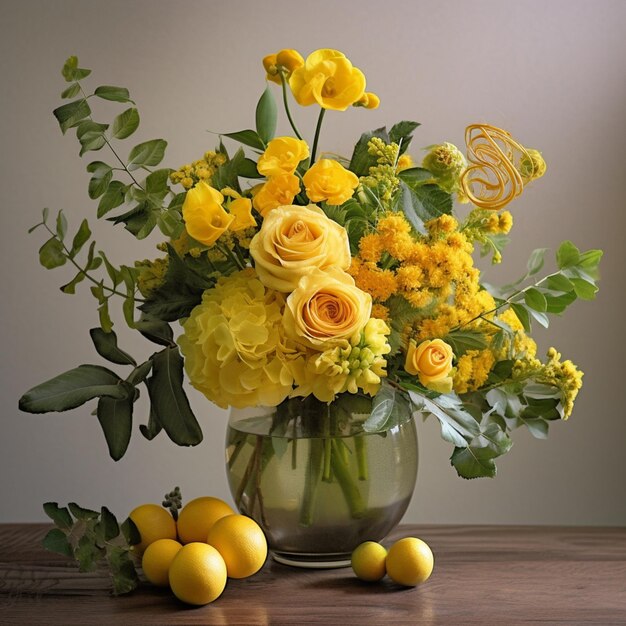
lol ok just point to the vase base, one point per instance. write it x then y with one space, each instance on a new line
312 561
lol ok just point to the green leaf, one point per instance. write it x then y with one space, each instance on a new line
584 289
70 288
476 460
266 116
247 169
71 114
112 198
153 428
130 532
540 317
535 299
401 133
80 238
169 401
567 255
56 541
87 554
558 282
91 136
59 515
99 182
123 572
116 420
522 313
148 153
106 346
415 175
382 408
109 524
535 261
71 389
361 160
115 94
157 181
589 261
71 91
72 72
125 124
463 340
457 425
105 318
247 138
156 330
61 226
51 254
140 373
226 174
82 513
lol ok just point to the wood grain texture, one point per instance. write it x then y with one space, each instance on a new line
487 575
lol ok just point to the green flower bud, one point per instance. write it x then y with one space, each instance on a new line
446 163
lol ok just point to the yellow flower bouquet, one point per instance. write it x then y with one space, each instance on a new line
339 295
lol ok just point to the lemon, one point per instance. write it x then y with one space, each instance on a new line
197 574
197 517
410 561
157 559
153 522
368 561
241 542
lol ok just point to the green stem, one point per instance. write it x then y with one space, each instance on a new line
318 128
312 481
229 254
360 447
286 103
327 458
350 489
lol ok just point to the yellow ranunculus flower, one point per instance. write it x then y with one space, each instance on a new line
293 241
328 78
368 100
328 180
241 210
277 191
282 156
326 309
431 361
287 59
204 215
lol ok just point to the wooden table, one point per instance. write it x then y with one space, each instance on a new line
500 575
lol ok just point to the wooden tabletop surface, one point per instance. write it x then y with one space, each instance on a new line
500 575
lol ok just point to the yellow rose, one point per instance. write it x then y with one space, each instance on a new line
328 78
277 191
287 59
431 361
329 180
326 309
282 156
293 241
241 210
204 215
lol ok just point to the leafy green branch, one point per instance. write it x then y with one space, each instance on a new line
147 198
93 539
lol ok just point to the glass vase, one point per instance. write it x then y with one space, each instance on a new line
321 478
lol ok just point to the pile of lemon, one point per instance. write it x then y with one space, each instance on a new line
408 562
195 555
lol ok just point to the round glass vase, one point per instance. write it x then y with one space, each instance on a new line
322 478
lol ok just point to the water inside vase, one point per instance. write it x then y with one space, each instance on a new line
321 495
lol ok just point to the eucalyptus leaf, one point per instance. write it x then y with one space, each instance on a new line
125 124
52 254
535 299
382 408
71 114
567 255
115 94
148 153
112 198
70 287
80 238
535 261
106 346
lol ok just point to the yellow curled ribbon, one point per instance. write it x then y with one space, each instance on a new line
494 176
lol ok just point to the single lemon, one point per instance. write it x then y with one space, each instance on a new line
410 561
368 561
197 516
153 522
241 542
157 559
197 574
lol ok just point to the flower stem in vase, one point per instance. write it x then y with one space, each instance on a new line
312 481
360 448
350 489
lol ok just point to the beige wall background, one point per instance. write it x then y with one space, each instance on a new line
553 73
